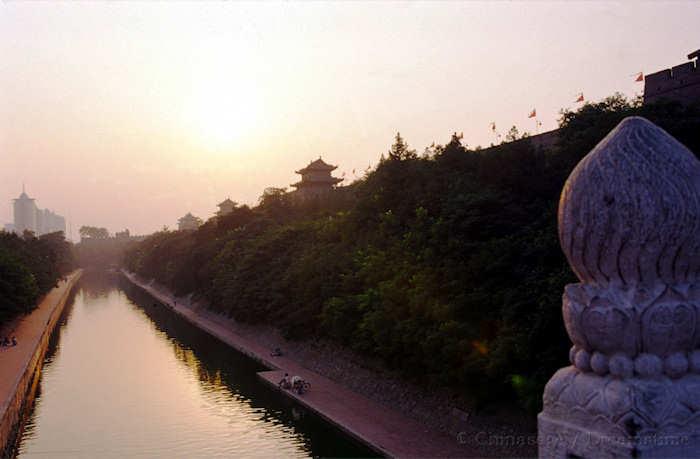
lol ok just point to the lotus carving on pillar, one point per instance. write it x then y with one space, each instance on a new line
629 225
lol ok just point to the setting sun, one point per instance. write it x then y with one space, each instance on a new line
223 111
399 228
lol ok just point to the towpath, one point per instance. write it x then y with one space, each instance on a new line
29 331
376 425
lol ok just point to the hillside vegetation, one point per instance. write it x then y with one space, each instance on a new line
444 265
29 267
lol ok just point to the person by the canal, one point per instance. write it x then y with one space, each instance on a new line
285 383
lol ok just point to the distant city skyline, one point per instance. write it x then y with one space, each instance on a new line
27 216
130 115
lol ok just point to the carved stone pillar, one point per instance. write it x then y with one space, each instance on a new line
629 224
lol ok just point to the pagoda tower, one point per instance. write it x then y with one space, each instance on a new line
226 207
316 179
189 222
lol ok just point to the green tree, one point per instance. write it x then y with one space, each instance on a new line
93 232
18 288
446 268
399 150
512 135
29 267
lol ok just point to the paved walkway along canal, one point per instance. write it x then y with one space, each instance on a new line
125 377
20 364
374 424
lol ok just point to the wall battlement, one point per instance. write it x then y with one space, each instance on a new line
681 83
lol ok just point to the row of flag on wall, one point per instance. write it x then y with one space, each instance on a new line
638 77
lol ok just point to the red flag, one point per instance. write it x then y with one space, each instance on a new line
580 97
640 77
532 114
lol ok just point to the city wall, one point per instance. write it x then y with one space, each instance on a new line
21 366
680 83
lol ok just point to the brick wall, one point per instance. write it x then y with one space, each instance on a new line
681 83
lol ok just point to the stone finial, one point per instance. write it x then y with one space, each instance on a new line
630 211
629 224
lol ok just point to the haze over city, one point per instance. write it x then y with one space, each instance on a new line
349 229
129 115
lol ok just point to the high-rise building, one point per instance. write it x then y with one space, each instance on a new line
25 213
27 216
49 222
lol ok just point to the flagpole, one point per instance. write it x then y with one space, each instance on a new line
533 114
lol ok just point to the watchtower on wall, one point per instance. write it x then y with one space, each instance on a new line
316 179
680 83
189 222
226 207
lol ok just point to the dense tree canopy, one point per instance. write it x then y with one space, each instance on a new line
29 267
93 232
447 266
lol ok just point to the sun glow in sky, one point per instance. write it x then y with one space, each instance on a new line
130 114
224 109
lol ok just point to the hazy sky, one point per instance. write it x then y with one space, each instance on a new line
129 115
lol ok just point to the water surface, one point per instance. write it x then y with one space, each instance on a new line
126 377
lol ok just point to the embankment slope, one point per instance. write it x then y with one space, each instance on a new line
20 365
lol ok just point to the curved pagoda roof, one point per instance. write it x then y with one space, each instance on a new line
188 216
315 166
317 181
226 202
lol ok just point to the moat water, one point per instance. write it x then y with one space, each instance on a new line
126 377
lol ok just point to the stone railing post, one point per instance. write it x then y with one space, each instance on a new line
629 224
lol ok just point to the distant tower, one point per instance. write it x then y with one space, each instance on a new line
226 207
25 213
316 179
50 222
188 222
39 221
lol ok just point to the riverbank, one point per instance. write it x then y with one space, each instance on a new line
449 422
20 365
378 426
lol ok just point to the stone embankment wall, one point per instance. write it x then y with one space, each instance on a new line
435 408
26 375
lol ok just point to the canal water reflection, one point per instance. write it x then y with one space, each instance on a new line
126 377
